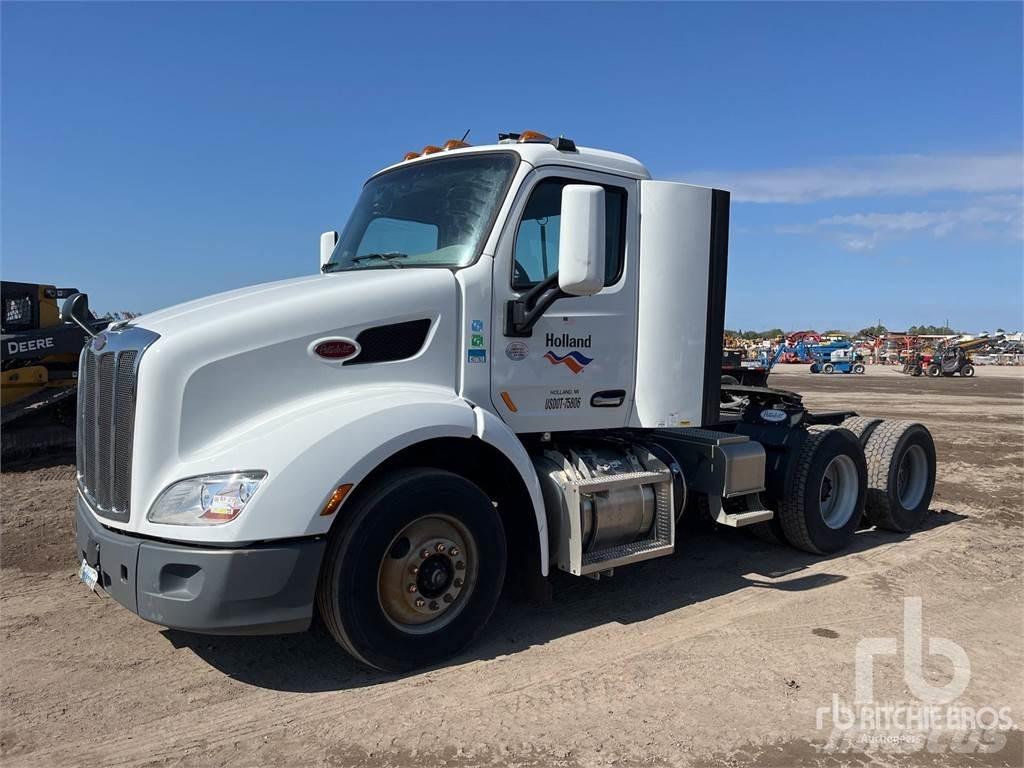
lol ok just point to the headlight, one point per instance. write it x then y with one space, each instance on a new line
206 500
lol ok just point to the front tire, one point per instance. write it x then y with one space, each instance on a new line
934 371
415 571
828 368
826 500
967 371
859 368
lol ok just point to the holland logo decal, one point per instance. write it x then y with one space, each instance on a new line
574 361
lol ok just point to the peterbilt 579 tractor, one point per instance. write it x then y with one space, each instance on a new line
509 362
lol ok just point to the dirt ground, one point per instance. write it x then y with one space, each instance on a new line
720 655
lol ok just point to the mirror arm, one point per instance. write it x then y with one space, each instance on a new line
523 313
76 309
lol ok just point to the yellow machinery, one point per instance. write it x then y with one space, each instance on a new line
39 368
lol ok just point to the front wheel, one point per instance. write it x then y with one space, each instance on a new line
828 368
859 368
967 371
414 573
934 371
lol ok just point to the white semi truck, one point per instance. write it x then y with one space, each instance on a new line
509 362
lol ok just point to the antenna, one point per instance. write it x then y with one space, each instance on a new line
465 134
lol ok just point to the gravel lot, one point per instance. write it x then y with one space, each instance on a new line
720 655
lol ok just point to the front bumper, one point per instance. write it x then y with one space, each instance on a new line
257 590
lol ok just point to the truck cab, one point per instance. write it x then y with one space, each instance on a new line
509 361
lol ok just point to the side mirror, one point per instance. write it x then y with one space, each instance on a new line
327 242
581 238
75 309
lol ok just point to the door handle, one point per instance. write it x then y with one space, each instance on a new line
610 398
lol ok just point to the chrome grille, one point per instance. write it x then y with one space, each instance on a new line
104 427
106 419
124 431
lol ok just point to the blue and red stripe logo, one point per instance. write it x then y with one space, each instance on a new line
574 361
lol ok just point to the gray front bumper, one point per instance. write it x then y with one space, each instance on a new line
257 590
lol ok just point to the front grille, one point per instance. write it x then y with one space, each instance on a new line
106 420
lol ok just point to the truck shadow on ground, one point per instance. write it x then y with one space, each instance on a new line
707 564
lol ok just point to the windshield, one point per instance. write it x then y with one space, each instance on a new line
426 214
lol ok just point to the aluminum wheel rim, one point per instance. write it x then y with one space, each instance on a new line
427 574
912 477
837 493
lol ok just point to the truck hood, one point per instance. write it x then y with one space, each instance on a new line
226 362
281 294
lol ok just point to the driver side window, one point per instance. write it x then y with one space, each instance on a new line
536 248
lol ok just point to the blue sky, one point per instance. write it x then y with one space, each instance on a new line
152 153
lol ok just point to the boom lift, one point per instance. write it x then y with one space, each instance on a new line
509 362
840 358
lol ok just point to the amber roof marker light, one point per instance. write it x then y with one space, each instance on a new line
533 137
562 144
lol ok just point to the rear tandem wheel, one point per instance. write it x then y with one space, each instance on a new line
901 475
828 494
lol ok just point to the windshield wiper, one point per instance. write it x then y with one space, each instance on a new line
387 257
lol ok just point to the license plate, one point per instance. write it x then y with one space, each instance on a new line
89 575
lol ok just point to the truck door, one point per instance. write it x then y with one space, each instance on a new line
576 369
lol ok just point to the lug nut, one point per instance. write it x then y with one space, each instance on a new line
413 569
440 547
457 582
433 605
425 554
411 587
448 598
453 552
420 602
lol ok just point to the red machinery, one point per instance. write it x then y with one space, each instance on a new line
793 341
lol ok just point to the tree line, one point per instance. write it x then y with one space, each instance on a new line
871 330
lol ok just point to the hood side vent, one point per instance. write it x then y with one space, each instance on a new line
388 343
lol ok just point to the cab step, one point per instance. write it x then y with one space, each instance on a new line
739 510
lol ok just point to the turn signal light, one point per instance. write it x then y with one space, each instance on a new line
335 501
